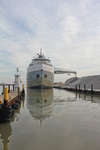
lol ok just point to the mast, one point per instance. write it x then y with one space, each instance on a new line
17 78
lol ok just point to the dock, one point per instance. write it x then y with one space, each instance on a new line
9 101
78 89
12 95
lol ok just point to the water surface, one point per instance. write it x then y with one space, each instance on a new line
53 120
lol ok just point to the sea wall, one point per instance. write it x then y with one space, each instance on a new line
84 82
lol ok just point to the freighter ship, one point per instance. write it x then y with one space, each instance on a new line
40 72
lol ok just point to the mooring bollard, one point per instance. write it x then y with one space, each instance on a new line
5 95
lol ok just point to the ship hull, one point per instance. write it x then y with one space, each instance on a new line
40 79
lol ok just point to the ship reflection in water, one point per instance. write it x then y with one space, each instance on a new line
69 121
39 103
5 131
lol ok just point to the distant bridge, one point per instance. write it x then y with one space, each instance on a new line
63 71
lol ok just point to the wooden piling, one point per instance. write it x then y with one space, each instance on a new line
18 92
22 86
9 88
13 87
79 88
23 90
5 95
3 89
84 87
76 88
91 88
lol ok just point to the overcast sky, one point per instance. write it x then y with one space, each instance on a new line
67 30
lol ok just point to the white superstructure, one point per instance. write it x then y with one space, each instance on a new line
40 72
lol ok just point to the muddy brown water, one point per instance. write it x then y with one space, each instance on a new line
53 120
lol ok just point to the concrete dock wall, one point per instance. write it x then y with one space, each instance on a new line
87 84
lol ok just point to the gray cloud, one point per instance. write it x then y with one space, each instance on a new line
68 31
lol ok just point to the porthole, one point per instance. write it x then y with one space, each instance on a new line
37 76
45 75
45 100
